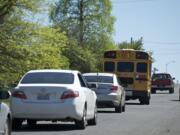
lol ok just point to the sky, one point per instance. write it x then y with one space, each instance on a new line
158 22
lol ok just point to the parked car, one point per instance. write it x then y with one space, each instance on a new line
5 114
55 95
109 92
162 81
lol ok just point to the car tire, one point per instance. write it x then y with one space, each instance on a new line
16 123
7 128
171 91
153 91
141 100
118 109
145 100
94 120
124 107
81 124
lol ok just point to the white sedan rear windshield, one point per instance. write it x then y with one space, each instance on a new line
103 79
48 77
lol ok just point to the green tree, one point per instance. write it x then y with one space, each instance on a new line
89 25
9 8
80 58
83 19
26 46
134 44
98 47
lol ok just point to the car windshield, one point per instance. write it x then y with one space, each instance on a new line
103 79
161 76
48 77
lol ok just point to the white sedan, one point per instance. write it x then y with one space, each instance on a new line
55 95
5 115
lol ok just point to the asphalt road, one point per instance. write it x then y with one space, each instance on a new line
161 117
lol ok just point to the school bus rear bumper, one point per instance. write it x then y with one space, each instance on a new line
135 94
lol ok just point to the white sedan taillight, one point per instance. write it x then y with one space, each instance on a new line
19 94
114 88
70 94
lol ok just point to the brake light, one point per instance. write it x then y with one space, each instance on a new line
19 94
114 88
70 94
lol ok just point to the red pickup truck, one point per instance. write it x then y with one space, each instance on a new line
162 81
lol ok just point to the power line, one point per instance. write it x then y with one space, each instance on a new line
176 53
131 1
162 43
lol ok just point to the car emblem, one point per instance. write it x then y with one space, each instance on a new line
43 95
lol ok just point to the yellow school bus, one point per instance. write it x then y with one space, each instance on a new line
133 68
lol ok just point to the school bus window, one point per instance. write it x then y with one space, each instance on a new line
142 67
109 66
125 67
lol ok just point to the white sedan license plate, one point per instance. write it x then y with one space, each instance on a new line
43 97
129 93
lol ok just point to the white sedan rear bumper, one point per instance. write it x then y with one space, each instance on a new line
45 110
